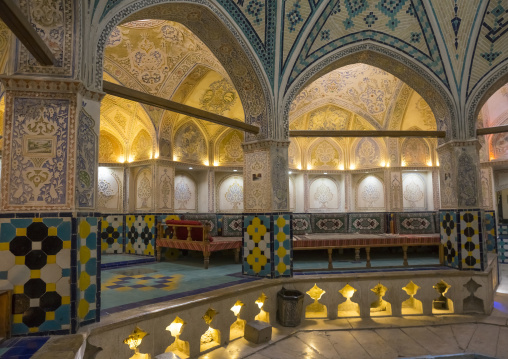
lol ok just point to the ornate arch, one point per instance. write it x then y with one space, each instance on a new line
233 194
220 35
415 152
482 92
295 154
320 154
190 143
144 189
110 148
228 147
183 194
392 61
324 194
363 152
370 195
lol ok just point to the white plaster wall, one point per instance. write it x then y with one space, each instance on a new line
324 194
369 194
299 192
224 202
110 193
202 192
414 191
185 193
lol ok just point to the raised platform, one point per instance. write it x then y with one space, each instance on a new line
357 296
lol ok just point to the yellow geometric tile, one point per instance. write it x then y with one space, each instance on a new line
21 231
50 287
52 231
123 289
50 315
19 289
17 318
66 300
67 244
35 273
51 259
37 220
4 246
33 330
19 260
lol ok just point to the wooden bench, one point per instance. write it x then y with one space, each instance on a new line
196 238
331 241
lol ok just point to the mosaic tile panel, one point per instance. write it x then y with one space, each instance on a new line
301 223
112 234
328 222
282 246
232 225
140 235
502 243
88 269
422 222
471 241
210 219
35 259
370 223
490 230
257 249
448 230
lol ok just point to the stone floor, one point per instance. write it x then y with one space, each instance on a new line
379 338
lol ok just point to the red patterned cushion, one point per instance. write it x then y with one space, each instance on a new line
181 232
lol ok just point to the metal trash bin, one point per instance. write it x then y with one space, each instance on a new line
289 307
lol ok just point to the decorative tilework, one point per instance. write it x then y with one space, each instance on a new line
257 249
112 234
449 238
470 240
421 222
140 235
372 223
36 254
392 23
328 223
301 223
87 270
142 282
85 161
232 225
205 219
282 249
502 243
490 230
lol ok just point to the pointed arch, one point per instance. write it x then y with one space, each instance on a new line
110 148
228 148
392 61
231 48
368 152
190 143
324 153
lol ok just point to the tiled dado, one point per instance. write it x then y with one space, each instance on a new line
267 245
463 238
502 243
51 264
35 261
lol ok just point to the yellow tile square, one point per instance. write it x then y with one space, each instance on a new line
33 330
67 244
37 219
17 318
52 231
19 260
4 246
19 289
51 259
21 231
50 316
66 300
50 287
36 273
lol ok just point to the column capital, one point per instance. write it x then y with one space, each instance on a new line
264 145
459 143
19 83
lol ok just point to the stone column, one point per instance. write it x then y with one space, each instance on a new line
50 174
461 219
267 248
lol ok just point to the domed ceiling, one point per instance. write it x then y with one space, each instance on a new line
495 113
165 59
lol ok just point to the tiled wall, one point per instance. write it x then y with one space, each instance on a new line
35 261
490 230
88 270
267 245
502 243
140 235
462 235
112 234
